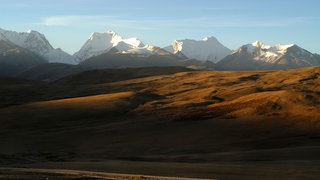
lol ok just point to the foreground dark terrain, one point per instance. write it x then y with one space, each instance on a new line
169 122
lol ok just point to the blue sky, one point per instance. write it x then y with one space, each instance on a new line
68 23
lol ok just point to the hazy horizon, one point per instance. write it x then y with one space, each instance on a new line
232 22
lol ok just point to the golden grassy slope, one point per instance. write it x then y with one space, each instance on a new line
197 116
104 102
282 94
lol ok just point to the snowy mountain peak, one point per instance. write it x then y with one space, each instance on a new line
32 40
209 38
209 48
112 32
270 50
30 31
283 46
259 44
93 35
177 46
99 43
113 36
97 35
36 43
258 55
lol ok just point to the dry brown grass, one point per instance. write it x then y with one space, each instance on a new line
106 102
189 116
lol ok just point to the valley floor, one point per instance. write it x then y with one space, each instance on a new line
113 169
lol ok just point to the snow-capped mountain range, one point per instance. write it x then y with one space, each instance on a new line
207 49
99 43
258 55
266 52
110 41
38 44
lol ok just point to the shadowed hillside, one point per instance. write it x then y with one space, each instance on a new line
108 60
50 71
15 59
195 116
112 75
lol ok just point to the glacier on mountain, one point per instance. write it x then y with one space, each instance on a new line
207 49
269 50
147 50
264 52
99 43
258 55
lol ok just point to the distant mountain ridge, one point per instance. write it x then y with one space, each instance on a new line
25 54
99 43
38 44
207 49
111 42
15 59
258 55
125 60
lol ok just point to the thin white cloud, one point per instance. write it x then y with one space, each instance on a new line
73 20
95 21
187 23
